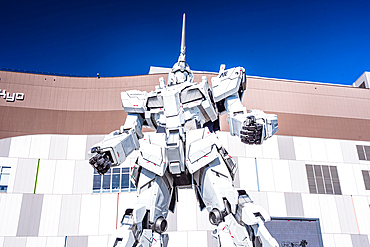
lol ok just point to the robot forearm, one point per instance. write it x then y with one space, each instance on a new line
119 144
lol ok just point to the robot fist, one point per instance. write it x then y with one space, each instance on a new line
101 161
251 131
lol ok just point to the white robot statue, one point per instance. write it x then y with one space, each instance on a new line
184 152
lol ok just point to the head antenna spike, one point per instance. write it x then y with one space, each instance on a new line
182 49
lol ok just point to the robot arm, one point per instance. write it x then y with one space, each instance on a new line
115 147
252 127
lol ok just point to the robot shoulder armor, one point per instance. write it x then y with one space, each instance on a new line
133 101
228 82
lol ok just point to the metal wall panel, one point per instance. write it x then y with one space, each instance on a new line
58 147
29 218
36 242
302 148
63 182
178 239
329 214
69 215
349 152
55 241
14 242
40 145
25 176
265 175
197 238
203 223
45 180
347 218
10 206
342 240
277 205
294 205
236 147
298 176
286 147
20 147
50 215
76 148
4 147
360 241
83 178
348 182
247 173
361 207
186 210
282 175
98 241
90 141
333 150
89 216
77 241
254 151
171 220
270 148
108 214
318 149
311 206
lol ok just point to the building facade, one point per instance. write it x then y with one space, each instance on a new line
312 177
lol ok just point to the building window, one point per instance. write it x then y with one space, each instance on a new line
366 175
4 178
323 179
115 180
363 152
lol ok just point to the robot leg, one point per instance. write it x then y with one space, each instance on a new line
238 220
143 225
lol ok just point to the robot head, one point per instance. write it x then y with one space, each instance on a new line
180 73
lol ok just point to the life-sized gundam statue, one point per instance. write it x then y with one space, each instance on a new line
184 152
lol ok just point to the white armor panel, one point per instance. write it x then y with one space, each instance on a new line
227 83
202 148
152 153
133 101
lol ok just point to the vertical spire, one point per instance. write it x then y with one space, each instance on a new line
182 50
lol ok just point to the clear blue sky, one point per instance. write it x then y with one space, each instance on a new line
323 41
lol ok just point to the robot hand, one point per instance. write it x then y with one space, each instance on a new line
251 131
101 161
258 126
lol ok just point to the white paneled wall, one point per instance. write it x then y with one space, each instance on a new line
282 175
89 216
49 222
20 147
70 209
36 242
302 148
265 175
10 206
361 205
46 177
76 147
247 167
342 240
63 179
40 145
